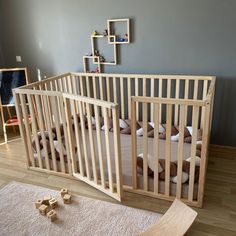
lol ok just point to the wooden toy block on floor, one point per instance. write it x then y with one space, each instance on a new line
53 203
38 204
67 199
63 192
46 200
43 209
52 215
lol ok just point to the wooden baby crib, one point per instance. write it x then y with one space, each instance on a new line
115 131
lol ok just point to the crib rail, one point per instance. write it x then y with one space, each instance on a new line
59 119
186 108
105 173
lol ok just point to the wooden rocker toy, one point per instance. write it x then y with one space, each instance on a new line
176 221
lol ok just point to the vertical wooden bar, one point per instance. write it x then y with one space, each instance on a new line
66 127
77 137
152 95
193 152
156 147
88 87
177 90
109 164
168 88
122 102
204 94
42 128
94 88
117 147
82 123
168 149
108 92
22 128
27 128
186 96
129 97
180 151
145 148
160 96
134 144
34 130
90 129
99 143
115 90
56 116
49 129
101 88
195 93
204 153
136 94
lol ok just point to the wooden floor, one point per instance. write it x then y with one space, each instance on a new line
218 217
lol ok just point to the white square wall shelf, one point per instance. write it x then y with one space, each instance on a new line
112 38
114 61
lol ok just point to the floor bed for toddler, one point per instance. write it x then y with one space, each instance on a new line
146 134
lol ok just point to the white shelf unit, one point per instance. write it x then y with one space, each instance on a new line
114 62
112 33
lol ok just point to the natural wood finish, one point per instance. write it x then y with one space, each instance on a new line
109 164
180 150
156 147
145 148
139 86
176 221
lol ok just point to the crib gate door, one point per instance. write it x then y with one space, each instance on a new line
95 151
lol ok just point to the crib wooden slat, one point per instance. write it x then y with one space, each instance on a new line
27 129
177 97
145 148
77 137
109 164
64 125
193 152
99 143
88 94
71 136
115 90
195 93
83 131
186 89
91 140
117 148
34 130
180 150
129 97
94 87
108 92
204 94
122 103
69 83
136 94
101 88
56 116
156 147
49 129
22 128
134 144
42 129
160 96
152 96
168 149
168 88
204 153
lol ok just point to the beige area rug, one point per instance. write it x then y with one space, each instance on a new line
84 216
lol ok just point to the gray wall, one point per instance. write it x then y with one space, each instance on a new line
169 37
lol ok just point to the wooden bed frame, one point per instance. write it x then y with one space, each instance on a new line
55 103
